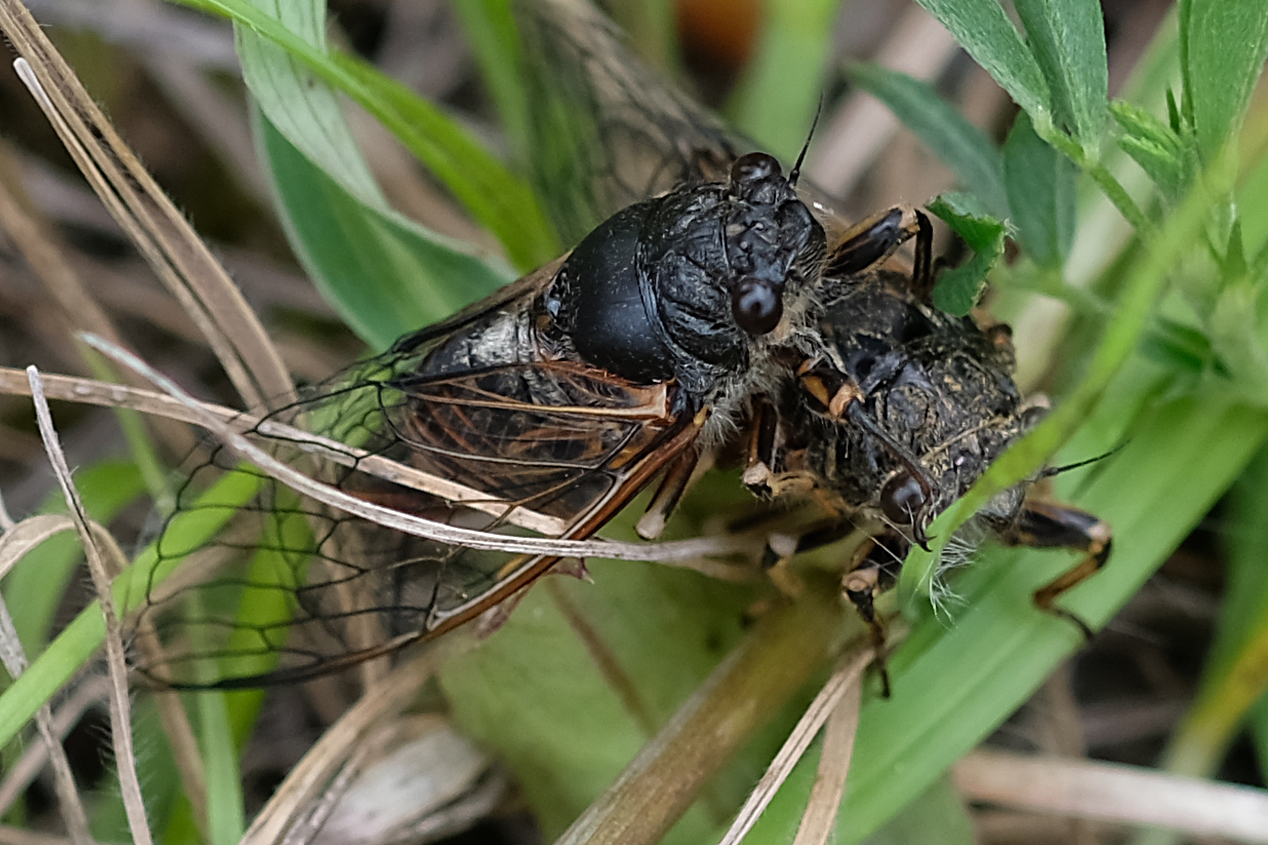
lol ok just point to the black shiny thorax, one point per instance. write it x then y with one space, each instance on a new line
685 285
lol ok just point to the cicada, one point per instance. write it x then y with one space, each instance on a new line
728 308
903 408
547 406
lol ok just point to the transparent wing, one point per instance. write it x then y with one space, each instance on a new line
619 131
475 426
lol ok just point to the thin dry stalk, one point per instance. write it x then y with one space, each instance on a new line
1114 792
46 255
6 521
833 697
180 259
862 127
786 648
319 811
72 807
303 787
28 767
94 550
215 421
820 817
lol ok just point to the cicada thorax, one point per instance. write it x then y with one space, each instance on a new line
544 409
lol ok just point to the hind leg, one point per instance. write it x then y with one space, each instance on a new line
1050 525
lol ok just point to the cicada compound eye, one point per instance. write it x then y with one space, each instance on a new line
902 498
754 167
756 306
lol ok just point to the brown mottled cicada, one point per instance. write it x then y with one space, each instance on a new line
903 409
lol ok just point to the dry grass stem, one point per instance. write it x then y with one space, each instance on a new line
6 521
178 256
96 545
820 817
1113 792
46 254
27 768
862 127
778 657
306 783
846 677
686 553
71 805
422 779
215 421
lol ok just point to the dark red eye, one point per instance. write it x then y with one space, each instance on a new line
756 307
753 167
902 498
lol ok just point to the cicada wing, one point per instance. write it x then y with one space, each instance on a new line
619 131
283 587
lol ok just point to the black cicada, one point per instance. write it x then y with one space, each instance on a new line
550 405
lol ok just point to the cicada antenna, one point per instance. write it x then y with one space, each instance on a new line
801 157
1051 471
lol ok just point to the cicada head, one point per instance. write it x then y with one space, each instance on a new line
695 285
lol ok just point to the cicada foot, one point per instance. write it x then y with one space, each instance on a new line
873 574
1050 525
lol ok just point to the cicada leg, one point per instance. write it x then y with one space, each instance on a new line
873 568
1051 525
875 571
874 239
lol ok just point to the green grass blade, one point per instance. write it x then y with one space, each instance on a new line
495 197
776 97
490 28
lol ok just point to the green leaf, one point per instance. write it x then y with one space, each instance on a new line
1178 347
984 30
958 289
959 144
490 28
1067 39
1223 44
495 197
1169 158
384 274
1041 193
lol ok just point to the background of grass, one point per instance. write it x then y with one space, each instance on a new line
1162 348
